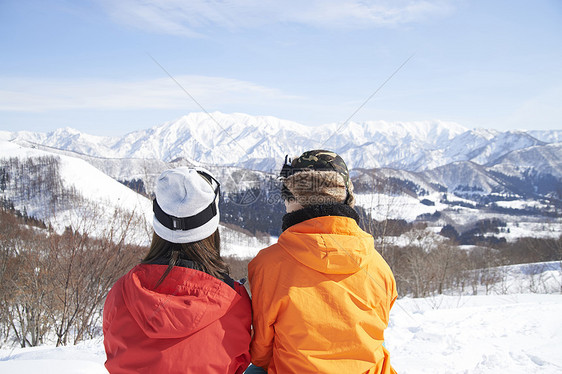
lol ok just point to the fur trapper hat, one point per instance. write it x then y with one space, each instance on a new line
317 177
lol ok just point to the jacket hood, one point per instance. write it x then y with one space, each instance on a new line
186 301
329 244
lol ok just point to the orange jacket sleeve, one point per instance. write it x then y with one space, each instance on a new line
264 314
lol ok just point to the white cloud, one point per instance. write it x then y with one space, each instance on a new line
190 18
34 95
354 13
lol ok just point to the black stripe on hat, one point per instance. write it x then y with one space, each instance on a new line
185 223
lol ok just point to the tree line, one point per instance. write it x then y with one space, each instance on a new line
37 182
53 286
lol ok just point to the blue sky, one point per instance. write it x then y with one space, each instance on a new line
102 66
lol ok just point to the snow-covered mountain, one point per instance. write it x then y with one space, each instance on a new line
261 142
437 161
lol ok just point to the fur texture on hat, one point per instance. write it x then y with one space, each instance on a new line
319 187
184 192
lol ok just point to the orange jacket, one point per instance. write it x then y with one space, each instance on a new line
192 323
321 299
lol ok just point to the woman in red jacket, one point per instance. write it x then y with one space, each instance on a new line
179 311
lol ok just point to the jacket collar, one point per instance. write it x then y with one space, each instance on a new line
315 211
329 244
184 262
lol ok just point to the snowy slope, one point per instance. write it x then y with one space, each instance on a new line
519 333
87 179
515 334
465 175
547 136
539 159
102 195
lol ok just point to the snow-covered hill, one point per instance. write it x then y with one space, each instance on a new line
87 198
84 198
545 160
515 334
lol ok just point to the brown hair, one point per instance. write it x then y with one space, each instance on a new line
205 253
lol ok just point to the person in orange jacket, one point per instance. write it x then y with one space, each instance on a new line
179 311
321 296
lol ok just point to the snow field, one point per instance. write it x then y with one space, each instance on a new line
519 333
384 206
84 358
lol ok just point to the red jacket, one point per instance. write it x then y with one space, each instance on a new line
192 323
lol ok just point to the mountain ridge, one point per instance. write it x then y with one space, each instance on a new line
261 142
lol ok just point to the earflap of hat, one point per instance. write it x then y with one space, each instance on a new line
313 187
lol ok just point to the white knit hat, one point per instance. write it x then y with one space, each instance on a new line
186 205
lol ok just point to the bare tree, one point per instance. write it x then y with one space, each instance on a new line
24 285
85 269
57 283
446 260
378 212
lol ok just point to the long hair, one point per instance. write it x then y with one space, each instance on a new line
205 253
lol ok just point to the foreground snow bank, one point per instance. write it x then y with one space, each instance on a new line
519 333
85 358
